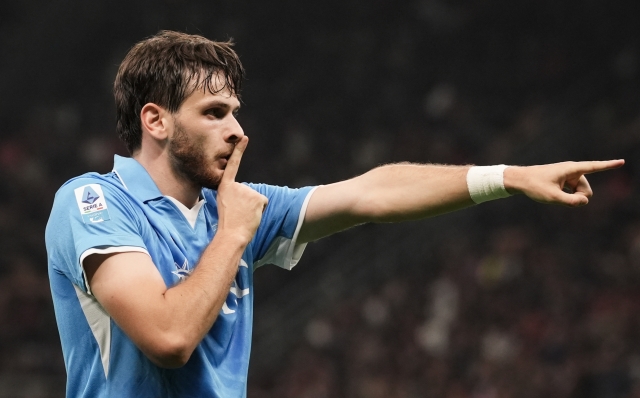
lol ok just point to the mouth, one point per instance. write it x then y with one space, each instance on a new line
224 160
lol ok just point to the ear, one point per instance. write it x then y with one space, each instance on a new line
154 121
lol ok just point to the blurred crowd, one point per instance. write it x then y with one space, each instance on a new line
524 301
519 314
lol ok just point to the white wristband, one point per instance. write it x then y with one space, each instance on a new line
486 183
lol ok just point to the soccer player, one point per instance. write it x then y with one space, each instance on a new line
151 265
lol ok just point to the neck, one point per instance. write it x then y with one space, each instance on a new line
167 180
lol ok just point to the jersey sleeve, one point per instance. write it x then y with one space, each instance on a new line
275 241
90 216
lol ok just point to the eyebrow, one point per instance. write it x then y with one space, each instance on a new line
221 104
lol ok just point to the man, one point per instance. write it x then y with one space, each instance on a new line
151 265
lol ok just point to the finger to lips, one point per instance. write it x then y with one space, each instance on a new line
233 163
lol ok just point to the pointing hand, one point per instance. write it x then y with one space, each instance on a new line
558 183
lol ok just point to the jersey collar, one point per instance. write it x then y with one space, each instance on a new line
135 178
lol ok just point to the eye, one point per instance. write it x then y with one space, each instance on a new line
218 113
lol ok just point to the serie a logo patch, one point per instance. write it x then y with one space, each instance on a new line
92 204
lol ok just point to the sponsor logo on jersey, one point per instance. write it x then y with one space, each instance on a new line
92 204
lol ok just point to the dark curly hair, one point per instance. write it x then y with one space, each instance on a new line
165 69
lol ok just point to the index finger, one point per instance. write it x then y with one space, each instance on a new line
233 163
595 166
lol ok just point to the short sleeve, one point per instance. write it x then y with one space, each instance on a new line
275 241
90 216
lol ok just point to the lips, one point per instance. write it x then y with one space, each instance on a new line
223 161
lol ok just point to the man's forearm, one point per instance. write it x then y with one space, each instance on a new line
390 193
401 192
168 323
204 292
165 323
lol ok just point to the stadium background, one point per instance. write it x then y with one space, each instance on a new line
509 299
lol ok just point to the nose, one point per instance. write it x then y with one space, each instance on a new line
234 132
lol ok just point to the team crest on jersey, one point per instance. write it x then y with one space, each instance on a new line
182 271
92 203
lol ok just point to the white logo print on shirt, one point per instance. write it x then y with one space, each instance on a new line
236 291
182 271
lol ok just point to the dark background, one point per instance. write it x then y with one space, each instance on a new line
509 299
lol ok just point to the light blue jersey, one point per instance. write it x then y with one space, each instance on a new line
124 211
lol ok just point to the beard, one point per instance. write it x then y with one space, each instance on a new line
189 160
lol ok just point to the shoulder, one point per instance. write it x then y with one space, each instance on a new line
264 189
89 188
281 198
277 190
93 204
90 198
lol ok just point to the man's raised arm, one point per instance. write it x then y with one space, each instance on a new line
168 323
401 192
